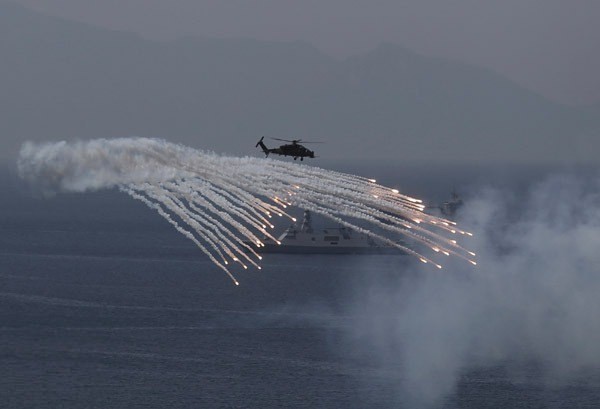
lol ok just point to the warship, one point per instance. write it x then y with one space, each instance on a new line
304 239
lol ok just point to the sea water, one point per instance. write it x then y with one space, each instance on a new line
104 305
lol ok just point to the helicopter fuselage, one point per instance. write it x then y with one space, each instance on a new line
293 149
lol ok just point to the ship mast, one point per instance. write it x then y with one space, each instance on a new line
306 226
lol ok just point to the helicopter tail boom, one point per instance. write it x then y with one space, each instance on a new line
263 146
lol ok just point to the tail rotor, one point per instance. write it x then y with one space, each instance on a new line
262 146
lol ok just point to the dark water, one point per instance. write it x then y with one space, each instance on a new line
104 305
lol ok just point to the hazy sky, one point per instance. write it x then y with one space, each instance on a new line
551 46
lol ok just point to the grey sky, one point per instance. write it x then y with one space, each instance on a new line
550 46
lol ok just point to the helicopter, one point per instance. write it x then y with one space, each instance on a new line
293 149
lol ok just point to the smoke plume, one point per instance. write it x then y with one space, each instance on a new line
533 298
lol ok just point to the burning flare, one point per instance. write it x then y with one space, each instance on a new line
223 203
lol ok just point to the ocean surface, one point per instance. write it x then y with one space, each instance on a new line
104 305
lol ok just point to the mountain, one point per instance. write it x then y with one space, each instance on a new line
68 80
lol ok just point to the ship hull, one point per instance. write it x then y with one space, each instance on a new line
299 249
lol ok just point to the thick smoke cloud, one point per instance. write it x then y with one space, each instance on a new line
97 164
533 298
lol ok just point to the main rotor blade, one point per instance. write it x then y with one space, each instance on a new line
296 140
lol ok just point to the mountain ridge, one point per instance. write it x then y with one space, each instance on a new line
67 80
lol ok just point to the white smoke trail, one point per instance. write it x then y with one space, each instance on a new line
226 200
